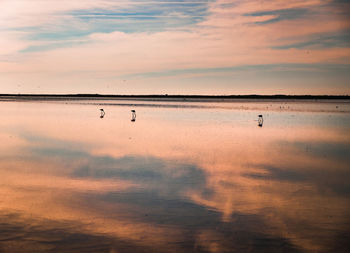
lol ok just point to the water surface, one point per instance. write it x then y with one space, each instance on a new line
182 177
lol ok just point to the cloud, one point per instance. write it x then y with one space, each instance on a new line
114 39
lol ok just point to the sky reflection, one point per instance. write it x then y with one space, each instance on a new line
176 180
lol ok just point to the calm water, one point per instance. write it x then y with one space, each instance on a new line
183 177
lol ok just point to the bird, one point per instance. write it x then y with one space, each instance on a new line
102 113
133 115
260 120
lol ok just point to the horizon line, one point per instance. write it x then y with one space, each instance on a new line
77 95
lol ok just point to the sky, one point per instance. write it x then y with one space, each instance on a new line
218 47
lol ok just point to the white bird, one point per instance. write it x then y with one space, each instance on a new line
102 113
133 115
260 120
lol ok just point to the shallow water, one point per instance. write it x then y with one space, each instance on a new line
182 177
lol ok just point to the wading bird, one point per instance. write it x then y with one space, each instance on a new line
260 121
102 113
133 116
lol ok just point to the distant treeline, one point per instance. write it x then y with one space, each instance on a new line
253 96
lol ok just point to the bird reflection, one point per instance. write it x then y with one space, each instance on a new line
133 116
102 113
260 121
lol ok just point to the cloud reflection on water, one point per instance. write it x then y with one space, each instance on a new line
169 186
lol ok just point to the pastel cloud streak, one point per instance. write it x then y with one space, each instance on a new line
219 47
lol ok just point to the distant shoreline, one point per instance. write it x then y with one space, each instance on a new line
171 97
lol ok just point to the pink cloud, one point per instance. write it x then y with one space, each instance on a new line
226 38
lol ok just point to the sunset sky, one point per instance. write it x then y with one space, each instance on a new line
175 47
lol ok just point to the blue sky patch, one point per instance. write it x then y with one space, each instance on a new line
138 17
286 68
280 15
326 40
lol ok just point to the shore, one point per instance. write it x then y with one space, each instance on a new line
174 98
